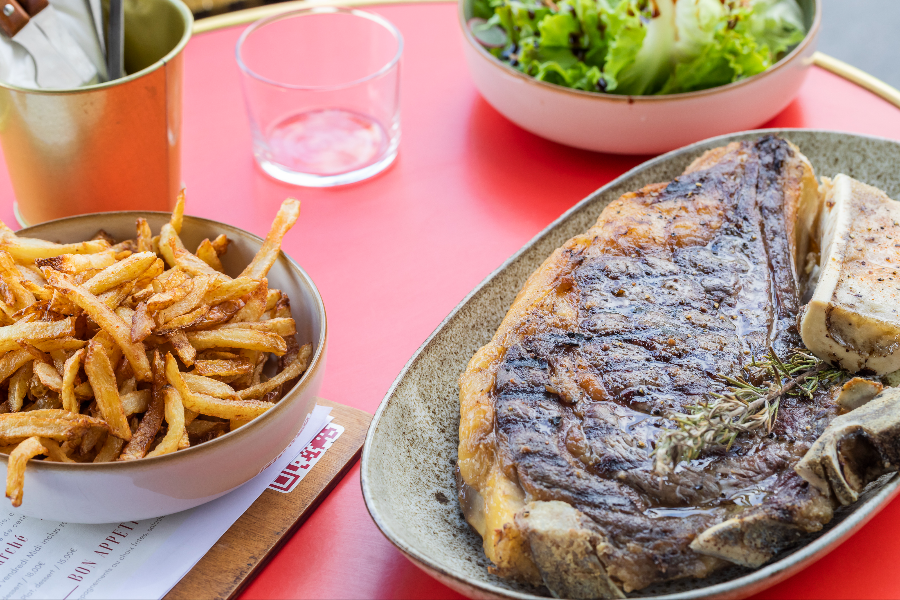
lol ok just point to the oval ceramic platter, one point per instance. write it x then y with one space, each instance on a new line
409 456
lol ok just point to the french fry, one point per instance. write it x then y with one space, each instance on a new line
201 428
64 344
28 249
218 314
188 262
144 237
255 304
178 213
292 370
48 376
207 253
106 392
219 355
220 244
110 450
127 386
18 387
70 372
110 347
170 279
152 419
261 359
237 423
238 338
36 330
59 425
136 401
182 345
45 401
271 248
12 362
30 274
279 325
183 321
174 420
118 273
227 409
39 311
15 473
272 299
204 385
59 359
43 293
152 272
12 279
189 302
230 290
125 313
107 319
102 235
210 405
112 298
54 452
162 300
141 323
222 367
76 263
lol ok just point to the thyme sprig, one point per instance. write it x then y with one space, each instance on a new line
750 402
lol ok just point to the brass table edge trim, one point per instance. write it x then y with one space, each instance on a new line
857 76
249 15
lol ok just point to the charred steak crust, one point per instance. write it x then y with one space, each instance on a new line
619 327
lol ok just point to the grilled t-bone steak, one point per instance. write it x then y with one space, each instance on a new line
676 284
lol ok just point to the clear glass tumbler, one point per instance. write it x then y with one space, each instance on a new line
322 87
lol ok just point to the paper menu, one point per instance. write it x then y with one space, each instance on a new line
144 559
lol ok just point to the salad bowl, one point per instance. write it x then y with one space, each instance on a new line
632 124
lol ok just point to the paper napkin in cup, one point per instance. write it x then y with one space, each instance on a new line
17 66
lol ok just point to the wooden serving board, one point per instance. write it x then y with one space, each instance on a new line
270 521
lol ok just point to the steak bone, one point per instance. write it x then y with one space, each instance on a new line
564 549
748 541
855 449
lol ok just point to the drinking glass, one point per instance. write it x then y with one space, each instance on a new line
322 88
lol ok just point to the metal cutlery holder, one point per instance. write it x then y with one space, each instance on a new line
105 147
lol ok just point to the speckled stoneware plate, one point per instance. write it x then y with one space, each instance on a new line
410 452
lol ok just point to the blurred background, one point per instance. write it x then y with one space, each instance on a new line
860 32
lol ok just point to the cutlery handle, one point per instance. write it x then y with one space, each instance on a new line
115 60
33 7
12 17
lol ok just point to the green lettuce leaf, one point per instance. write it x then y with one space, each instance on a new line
641 47
732 53
641 37
777 24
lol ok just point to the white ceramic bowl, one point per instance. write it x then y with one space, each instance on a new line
131 491
638 124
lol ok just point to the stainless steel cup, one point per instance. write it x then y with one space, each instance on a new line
110 146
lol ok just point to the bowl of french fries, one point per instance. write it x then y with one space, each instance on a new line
139 377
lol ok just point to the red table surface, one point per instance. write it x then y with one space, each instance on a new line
393 255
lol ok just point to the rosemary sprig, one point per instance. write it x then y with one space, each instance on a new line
750 402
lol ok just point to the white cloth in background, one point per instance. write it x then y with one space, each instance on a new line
77 16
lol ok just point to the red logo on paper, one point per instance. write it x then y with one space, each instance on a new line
294 472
